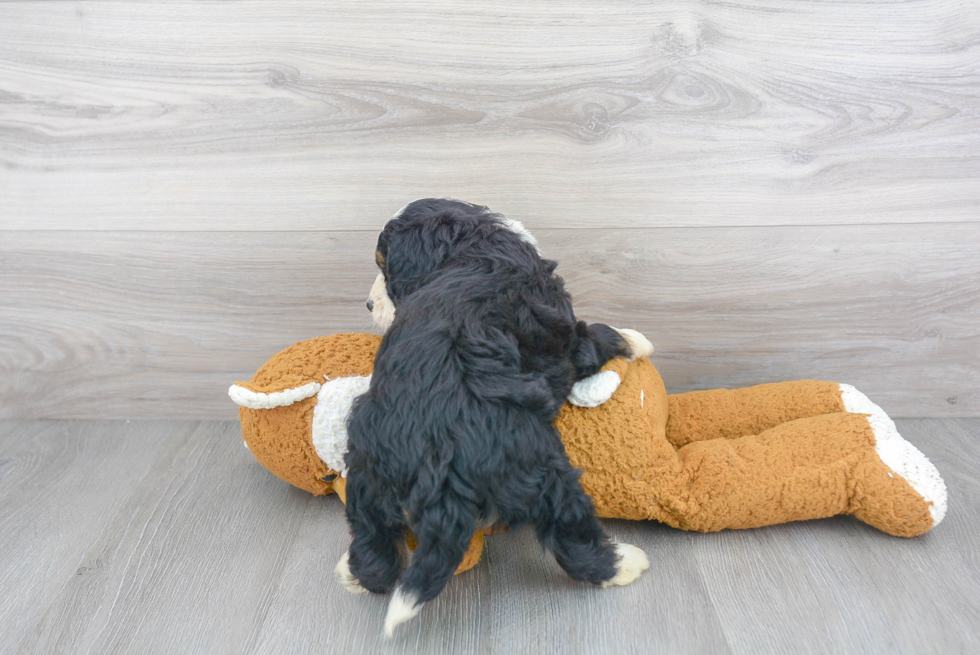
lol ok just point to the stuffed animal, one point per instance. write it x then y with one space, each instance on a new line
704 460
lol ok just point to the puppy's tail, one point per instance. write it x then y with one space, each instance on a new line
443 531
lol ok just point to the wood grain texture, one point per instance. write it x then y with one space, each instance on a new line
185 565
842 587
168 537
123 324
186 115
61 485
310 612
536 608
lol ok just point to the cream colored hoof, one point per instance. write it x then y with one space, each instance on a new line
904 459
595 389
632 562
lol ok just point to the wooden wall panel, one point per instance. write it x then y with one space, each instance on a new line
128 324
187 115
770 188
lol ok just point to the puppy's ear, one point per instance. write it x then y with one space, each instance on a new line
418 247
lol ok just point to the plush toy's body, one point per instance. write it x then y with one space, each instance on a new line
705 460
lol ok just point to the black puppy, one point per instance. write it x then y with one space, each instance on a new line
455 432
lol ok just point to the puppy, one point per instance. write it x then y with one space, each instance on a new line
456 430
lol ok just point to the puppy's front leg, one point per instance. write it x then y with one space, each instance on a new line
598 343
607 343
639 345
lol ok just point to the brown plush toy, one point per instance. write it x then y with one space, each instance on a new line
704 460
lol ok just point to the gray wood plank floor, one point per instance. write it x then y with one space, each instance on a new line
166 536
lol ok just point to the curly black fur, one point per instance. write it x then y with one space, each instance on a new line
457 430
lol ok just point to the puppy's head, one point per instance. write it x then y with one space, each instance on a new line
429 234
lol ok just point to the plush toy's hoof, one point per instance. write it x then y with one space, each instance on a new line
632 562
904 460
346 578
595 389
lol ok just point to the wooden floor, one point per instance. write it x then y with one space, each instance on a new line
167 537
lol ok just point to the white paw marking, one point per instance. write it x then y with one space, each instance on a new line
899 455
632 562
639 345
346 578
403 607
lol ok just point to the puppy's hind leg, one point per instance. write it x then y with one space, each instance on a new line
568 527
373 562
443 531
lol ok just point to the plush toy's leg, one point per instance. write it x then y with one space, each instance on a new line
827 461
808 468
901 457
733 413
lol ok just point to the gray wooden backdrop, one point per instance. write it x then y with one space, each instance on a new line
769 189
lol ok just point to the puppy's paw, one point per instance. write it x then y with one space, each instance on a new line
632 562
403 607
346 578
639 345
